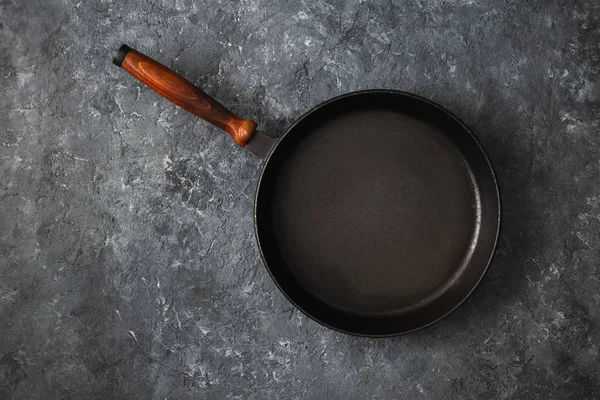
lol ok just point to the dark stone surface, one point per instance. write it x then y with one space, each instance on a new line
128 262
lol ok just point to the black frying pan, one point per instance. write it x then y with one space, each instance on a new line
377 212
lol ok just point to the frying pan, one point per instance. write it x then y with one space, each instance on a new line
377 213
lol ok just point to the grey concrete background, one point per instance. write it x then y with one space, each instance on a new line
128 261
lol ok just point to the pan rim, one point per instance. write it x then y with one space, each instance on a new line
396 93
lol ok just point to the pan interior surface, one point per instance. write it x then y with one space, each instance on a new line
369 214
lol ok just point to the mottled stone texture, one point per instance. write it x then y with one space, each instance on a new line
128 264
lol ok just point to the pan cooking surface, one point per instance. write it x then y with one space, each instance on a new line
369 214
374 211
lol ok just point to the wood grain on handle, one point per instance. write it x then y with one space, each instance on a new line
182 92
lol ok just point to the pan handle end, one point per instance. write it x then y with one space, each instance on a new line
120 56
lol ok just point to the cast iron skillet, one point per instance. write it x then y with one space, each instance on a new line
377 212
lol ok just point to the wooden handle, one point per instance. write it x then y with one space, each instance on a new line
182 92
